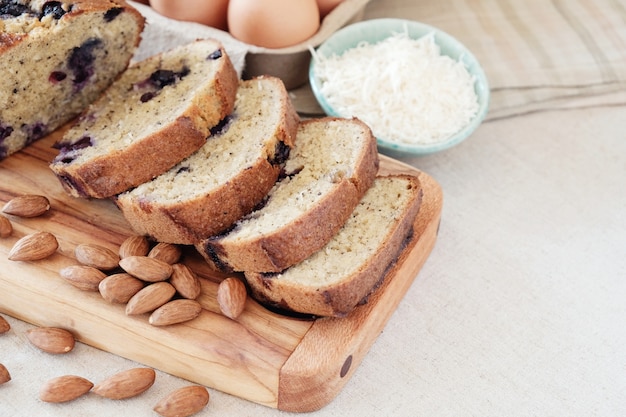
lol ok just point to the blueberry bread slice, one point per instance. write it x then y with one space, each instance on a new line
225 179
56 58
338 277
331 166
156 114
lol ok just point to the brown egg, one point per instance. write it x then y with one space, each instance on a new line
273 23
208 12
327 6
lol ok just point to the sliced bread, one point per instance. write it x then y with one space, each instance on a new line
335 279
56 58
156 114
331 166
226 178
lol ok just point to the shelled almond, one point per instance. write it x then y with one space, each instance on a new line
134 246
231 297
146 268
5 376
64 388
29 205
4 325
119 288
52 339
126 384
34 247
96 256
183 402
166 252
86 278
6 228
185 281
175 311
150 298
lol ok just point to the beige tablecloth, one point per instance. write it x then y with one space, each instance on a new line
520 309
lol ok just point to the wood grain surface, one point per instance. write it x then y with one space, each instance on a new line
289 363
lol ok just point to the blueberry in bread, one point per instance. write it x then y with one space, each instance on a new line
331 166
335 279
158 112
225 179
56 58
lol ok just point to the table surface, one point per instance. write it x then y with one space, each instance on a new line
519 311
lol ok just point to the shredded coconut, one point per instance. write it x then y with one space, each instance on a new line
403 88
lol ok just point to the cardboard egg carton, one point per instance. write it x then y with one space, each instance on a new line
289 64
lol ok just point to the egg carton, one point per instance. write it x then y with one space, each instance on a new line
290 64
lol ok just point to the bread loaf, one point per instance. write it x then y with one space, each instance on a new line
56 58
157 113
335 279
226 178
331 166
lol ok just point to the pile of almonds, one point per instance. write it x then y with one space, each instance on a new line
147 278
151 279
148 281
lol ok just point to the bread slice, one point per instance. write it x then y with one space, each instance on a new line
56 58
156 114
332 165
224 180
335 279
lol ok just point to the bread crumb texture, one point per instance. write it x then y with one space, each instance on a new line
57 57
360 238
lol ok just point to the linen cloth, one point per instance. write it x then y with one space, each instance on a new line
537 55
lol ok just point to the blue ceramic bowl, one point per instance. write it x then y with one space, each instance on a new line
376 30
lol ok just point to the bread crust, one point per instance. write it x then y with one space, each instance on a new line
340 298
209 214
113 173
194 219
295 241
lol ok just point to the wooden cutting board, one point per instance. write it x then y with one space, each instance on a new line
287 363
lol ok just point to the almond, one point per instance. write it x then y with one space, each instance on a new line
52 339
185 281
146 269
183 402
166 252
86 278
126 384
176 311
96 256
134 246
5 376
119 288
150 298
231 297
5 227
33 247
64 388
29 205
4 325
